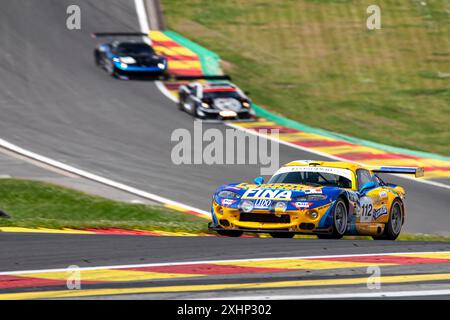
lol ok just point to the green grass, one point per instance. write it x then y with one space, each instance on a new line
314 61
39 204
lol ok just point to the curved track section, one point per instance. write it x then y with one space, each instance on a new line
56 103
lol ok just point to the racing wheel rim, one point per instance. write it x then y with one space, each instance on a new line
340 217
396 218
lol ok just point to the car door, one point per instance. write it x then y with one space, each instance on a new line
365 202
373 200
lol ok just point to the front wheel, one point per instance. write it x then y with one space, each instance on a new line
340 220
394 226
97 58
230 233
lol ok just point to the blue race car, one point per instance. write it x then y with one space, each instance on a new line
129 58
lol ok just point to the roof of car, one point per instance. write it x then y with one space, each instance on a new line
333 164
218 87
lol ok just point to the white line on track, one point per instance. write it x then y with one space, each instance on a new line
142 15
387 294
220 261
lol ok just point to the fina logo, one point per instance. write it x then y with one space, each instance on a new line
267 194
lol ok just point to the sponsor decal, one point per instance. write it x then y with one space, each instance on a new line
365 209
302 205
379 212
313 191
228 202
255 193
262 204
383 194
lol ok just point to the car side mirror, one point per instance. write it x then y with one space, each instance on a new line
258 180
367 186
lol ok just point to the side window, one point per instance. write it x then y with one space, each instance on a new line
363 177
377 180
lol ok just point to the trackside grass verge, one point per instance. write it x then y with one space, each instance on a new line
35 204
315 62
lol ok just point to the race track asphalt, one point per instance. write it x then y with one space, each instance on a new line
53 101
22 251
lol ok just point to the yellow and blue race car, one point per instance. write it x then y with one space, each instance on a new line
327 199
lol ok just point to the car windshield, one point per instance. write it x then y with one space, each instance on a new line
221 94
134 49
319 176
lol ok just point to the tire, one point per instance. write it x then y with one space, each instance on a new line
394 226
230 233
180 102
340 221
283 235
97 58
113 73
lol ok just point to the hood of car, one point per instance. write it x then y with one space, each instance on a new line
274 191
227 104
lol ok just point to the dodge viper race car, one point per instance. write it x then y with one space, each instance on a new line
328 199
129 58
215 101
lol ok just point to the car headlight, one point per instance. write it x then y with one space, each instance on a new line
313 214
246 104
279 206
161 65
246 206
228 194
127 60
311 197
205 105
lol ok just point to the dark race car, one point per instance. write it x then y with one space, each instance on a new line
129 58
215 101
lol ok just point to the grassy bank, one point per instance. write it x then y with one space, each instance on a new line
39 204
314 61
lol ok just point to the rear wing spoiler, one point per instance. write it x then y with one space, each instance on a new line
417 171
118 34
216 77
